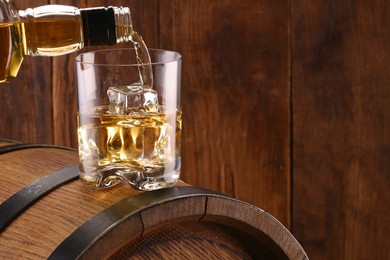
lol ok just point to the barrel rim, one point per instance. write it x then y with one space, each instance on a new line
21 146
79 242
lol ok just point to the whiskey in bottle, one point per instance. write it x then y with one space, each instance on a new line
54 30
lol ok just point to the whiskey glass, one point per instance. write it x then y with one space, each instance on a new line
129 118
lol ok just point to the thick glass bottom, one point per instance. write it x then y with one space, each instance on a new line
112 175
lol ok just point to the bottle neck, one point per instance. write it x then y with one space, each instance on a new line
123 24
106 26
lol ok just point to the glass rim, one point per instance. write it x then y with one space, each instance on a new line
175 58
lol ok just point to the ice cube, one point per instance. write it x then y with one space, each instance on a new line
125 100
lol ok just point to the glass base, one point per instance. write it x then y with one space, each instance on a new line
139 181
146 181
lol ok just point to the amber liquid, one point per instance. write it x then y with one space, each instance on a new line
53 37
143 57
44 37
11 50
141 145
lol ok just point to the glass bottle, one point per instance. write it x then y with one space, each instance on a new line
53 30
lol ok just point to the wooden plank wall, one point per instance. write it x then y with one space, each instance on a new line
286 106
341 128
235 96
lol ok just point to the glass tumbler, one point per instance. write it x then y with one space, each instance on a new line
129 118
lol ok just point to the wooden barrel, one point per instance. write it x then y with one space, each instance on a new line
45 212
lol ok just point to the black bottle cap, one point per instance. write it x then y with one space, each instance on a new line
98 26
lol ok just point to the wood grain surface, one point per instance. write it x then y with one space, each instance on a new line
341 173
170 223
235 97
40 229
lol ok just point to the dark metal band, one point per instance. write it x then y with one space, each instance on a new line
20 201
83 237
17 147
